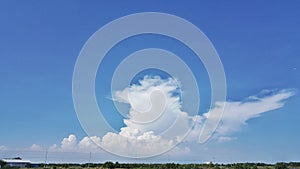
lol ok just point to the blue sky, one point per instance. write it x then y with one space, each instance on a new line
258 44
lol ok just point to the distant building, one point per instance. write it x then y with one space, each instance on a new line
17 162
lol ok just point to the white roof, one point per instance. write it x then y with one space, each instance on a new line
15 161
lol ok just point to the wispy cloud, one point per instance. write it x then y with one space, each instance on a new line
237 113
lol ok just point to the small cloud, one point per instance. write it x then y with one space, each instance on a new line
89 144
35 147
69 143
3 148
223 139
54 147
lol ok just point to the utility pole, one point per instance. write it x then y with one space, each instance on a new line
90 159
46 157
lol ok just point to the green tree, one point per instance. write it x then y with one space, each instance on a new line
17 158
117 165
216 166
281 166
109 165
2 163
170 165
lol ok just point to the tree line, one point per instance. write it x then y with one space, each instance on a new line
117 165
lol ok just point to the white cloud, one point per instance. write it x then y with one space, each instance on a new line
54 147
223 139
135 143
156 122
90 144
237 113
148 134
69 143
139 97
153 105
145 135
35 147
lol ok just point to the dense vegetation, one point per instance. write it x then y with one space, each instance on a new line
2 163
116 165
